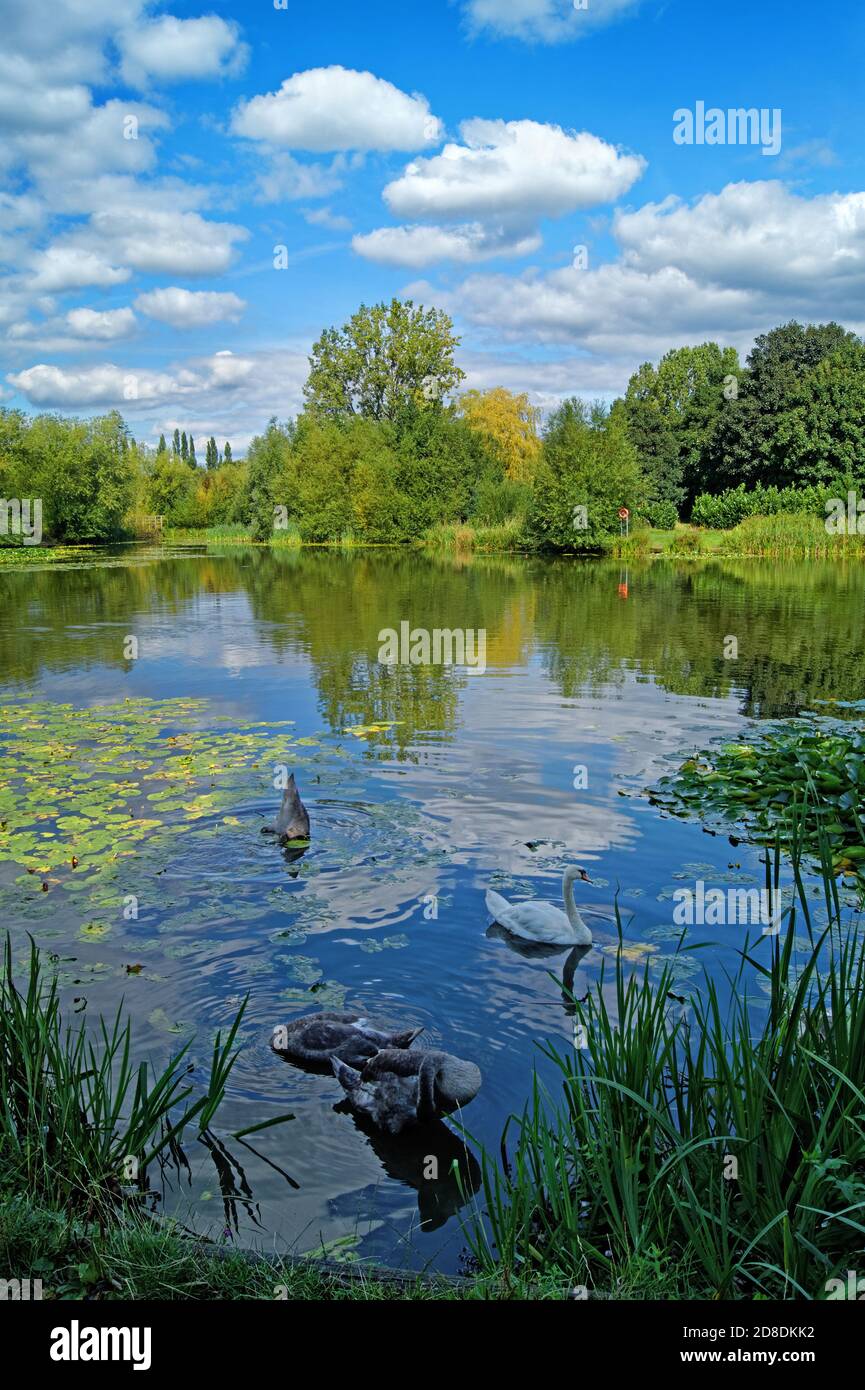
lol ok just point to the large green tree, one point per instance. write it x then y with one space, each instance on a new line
84 472
671 412
821 435
386 358
748 444
589 469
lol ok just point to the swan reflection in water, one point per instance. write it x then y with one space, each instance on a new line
433 1160
534 950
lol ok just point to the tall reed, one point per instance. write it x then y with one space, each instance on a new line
79 1120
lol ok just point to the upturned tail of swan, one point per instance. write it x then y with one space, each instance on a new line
496 904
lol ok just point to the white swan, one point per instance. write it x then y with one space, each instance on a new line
539 921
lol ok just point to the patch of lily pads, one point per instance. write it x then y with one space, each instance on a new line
387 943
800 777
95 801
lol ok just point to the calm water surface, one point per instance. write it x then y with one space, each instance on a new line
471 784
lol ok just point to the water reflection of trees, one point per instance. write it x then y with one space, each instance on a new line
798 626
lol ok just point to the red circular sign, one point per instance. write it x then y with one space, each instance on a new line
624 513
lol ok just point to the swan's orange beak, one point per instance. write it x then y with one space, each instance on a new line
584 876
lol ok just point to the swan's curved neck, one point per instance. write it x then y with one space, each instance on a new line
581 931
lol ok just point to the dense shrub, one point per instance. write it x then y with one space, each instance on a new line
497 500
729 508
662 515
685 543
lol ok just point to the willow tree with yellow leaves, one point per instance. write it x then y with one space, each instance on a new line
511 422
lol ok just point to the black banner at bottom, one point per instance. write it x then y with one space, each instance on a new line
59 1339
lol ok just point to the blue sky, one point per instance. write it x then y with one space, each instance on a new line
155 158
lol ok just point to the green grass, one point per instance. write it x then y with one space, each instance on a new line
783 535
135 1258
236 534
630 1164
460 537
689 542
80 1122
788 535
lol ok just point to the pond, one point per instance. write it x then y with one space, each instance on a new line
151 763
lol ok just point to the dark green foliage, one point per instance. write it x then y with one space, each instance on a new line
267 460
726 509
662 515
822 432
497 499
671 412
751 442
588 470
441 463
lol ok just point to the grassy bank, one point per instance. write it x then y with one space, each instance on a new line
781 536
789 536
132 1258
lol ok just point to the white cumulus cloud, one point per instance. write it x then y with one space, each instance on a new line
190 308
760 235
103 324
516 170
336 108
727 266
162 241
544 21
173 50
413 247
60 268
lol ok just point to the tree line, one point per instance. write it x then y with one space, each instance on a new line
388 446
